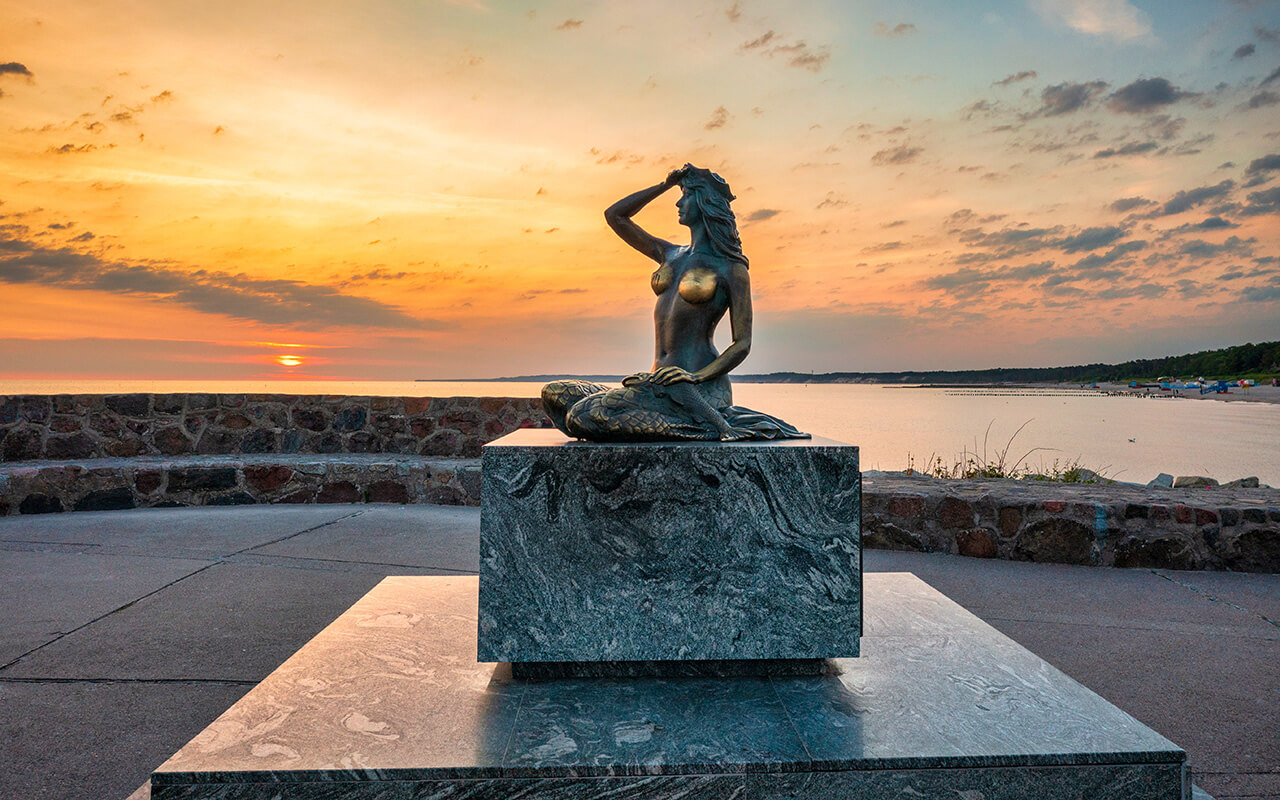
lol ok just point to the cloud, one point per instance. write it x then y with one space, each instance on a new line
1214 223
72 149
1090 239
733 13
901 29
1273 76
798 54
760 215
1198 248
1116 19
1133 148
1129 203
1265 202
1189 198
1267 34
14 68
275 302
1244 51
1144 95
1064 98
903 154
1262 99
1260 166
719 118
968 281
569 24
1261 294
1026 74
1095 260
760 41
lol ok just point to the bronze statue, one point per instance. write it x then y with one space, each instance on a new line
686 395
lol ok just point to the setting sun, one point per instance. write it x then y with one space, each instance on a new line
289 361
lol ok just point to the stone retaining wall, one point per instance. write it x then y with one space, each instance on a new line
1123 526
118 483
68 427
96 452
1110 525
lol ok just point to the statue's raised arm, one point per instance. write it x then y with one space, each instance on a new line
686 393
620 213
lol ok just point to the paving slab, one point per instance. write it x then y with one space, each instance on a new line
230 622
1061 593
1205 633
435 537
1256 593
1215 696
47 594
97 741
189 532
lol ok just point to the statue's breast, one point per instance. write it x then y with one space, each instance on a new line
661 279
698 286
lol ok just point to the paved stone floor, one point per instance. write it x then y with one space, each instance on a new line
124 633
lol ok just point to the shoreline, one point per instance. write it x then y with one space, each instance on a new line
1252 394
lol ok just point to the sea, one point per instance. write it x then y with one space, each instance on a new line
1125 438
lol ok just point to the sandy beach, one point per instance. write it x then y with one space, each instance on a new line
1252 394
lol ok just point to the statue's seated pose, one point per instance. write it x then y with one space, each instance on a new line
686 395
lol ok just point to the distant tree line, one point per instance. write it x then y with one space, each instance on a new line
1245 360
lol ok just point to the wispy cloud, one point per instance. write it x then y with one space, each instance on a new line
236 295
1017 77
1187 199
902 154
796 53
1116 19
1130 149
887 31
719 118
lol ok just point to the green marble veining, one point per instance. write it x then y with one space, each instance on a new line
668 551
389 703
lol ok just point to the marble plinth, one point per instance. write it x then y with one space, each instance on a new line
673 551
388 702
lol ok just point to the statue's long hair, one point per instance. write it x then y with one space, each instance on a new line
711 196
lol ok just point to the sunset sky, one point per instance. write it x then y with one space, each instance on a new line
397 190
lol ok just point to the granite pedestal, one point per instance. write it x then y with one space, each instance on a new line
388 702
701 553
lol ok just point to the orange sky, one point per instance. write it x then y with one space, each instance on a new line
414 189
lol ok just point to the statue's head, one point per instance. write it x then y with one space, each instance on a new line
705 200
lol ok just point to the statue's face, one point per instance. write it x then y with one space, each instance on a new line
686 209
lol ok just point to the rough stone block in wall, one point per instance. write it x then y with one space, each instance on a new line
69 427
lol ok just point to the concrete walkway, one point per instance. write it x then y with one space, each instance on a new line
124 633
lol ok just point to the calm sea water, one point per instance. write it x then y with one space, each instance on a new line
1126 438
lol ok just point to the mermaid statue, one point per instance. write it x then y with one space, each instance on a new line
686 394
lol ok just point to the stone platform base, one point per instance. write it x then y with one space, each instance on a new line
389 702
708 668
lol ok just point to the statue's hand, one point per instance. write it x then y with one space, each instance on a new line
675 176
667 376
